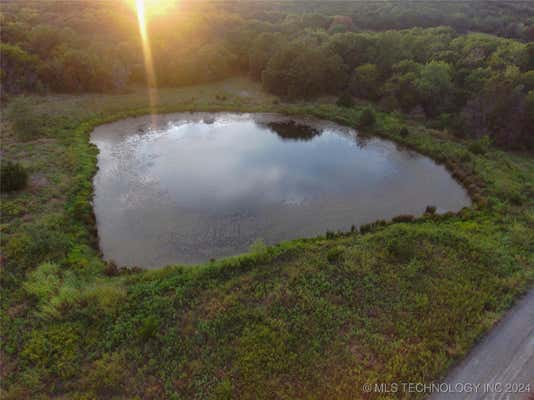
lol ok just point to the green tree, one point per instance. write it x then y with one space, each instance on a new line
529 106
296 71
365 81
527 79
435 86
261 51
18 69
315 21
477 79
43 39
354 48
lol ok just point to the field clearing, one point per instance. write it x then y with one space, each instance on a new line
313 318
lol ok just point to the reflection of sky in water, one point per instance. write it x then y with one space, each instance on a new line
231 166
202 187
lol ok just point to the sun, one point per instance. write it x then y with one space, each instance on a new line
151 7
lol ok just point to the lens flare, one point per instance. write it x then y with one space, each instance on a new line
147 55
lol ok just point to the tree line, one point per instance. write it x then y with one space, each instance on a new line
474 84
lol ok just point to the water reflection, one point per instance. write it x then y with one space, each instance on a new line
208 185
290 130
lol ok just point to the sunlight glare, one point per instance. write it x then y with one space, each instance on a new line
147 55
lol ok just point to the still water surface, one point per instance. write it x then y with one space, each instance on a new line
200 186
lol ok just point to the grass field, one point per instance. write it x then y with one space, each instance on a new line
313 318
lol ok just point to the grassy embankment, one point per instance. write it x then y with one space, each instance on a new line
311 318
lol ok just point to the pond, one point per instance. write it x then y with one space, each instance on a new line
197 186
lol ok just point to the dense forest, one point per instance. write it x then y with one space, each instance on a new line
468 67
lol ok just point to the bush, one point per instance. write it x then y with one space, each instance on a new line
480 146
404 131
400 249
431 210
106 376
36 243
106 297
44 282
258 248
111 269
18 69
367 119
345 100
366 228
13 176
476 148
26 123
55 348
148 327
223 390
334 254
403 218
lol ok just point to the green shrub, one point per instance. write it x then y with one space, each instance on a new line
345 100
258 248
67 298
480 146
476 148
26 122
44 282
36 243
55 349
106 376
403 218
465 156
334 254
106 297
367 119
365 228
223 390
148 327
404 132
516 197
400 249
13 176
431 210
